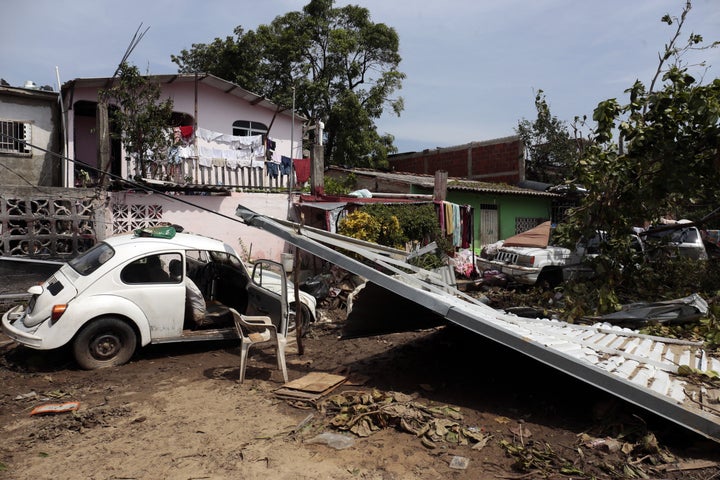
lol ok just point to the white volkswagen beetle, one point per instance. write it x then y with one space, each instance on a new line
151 286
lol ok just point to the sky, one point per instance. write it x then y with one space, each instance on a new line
473 66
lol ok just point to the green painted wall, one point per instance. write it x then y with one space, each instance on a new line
512 207
509 208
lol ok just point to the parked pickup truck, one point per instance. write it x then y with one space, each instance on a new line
530 259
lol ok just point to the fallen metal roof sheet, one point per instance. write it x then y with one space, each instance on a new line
641 369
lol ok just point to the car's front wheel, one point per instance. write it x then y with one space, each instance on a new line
306 319
105 342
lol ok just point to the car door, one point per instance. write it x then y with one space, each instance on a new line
148 283
267 293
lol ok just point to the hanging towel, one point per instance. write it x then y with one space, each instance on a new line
457 226
440 212
467 227
186 132
449 219
302 169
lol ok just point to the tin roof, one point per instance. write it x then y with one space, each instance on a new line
204 78
453 183
648 371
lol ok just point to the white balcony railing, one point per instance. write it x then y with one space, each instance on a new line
190 172
209 158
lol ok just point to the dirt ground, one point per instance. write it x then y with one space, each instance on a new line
178 412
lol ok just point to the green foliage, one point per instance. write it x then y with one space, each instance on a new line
340 187
223 55
665 165
140 115
342 67
417 222
551 152
391 232
395 225
360 225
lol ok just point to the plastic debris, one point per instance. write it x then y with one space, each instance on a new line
55 408
459 463
25 396
337 441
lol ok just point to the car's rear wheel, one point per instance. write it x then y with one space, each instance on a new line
105 342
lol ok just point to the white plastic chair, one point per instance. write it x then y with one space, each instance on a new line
258 329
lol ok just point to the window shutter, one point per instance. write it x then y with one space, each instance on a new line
27 136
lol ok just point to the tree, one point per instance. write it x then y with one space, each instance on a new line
236 59
550 151
669 163
342 66
142 119
666 162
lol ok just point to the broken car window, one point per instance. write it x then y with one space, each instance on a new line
91 260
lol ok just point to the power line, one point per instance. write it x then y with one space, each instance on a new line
119 178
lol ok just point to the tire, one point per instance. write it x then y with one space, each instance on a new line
105 342
306 319
550 278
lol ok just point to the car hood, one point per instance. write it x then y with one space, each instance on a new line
534 250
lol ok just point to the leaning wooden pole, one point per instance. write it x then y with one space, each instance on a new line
296 284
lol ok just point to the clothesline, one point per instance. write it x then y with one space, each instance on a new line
456 221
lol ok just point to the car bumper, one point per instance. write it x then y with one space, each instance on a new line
13 327
525 275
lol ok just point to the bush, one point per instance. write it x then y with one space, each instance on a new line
360 225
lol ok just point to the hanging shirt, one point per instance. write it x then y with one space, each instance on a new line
285 165
272 169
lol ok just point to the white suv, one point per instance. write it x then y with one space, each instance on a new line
151 286
529 258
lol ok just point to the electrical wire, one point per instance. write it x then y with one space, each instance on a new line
135 185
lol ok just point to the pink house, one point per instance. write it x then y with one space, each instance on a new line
232 142
202 104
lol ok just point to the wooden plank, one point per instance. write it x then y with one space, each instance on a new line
315 382
311 387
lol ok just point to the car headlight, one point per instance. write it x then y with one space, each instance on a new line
526 260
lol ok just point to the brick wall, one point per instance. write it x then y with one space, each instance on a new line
499 161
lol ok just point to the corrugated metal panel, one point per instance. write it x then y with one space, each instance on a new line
639 368
453 183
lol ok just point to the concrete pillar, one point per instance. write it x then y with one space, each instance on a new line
317 175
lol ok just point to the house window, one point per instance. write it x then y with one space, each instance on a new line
246 128
13 135
523 224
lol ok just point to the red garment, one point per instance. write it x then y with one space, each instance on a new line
186 132
302 169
